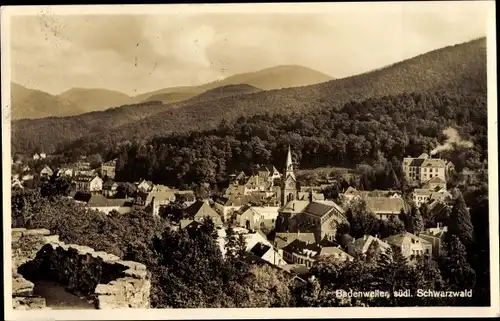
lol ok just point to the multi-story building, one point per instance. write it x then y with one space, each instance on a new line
411 246
424 168
88 183
108 169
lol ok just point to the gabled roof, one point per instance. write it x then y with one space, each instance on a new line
433 162
317 209
436 180
422 191
283 239
260 249
363 243
163 195
294 207
385 205
405 237
201 209
84 178
101 201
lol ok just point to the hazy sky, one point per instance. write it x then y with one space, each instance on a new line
139 53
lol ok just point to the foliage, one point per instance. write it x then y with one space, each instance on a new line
460 222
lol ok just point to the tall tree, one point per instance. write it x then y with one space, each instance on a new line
460 222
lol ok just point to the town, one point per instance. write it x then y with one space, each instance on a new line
286 225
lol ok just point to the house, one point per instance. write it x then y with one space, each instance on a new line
269 173
255 243
108 169
435 236
321 218
300 252
109 188
82 166
268 254
161 198
385 207
421 196
410 245
256 183
201 209
46 172
142 199
106 205
425 167
66 172
351 194
226 206
144 185
436 183
252 217
361 245
88 183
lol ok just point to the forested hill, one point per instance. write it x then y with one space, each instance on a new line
460 68
396 126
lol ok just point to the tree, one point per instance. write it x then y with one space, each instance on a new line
454 267
392 226
361 220
460 222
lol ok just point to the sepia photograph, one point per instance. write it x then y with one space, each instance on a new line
250 160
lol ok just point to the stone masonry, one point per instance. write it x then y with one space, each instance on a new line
110 282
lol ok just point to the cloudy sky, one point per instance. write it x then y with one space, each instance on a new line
143 52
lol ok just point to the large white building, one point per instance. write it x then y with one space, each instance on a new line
424 168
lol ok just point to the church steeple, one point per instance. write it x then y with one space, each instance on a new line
289 164
289 184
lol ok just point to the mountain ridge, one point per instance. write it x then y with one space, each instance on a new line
460 67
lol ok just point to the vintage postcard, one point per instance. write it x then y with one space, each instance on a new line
250 160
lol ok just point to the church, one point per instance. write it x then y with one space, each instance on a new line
306 216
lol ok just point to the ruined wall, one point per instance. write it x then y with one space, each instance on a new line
25 246
99 276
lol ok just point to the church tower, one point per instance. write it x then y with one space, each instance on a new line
289 183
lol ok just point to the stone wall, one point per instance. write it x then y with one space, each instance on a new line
101 277
25 246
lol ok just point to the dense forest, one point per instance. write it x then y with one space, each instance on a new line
454 69
394 126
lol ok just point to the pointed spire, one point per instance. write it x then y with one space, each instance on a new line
289 163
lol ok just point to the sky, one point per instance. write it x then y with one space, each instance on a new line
145 51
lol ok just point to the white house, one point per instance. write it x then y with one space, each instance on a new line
410 245
46 172
90 184
68 172
253 216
